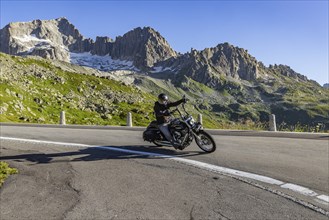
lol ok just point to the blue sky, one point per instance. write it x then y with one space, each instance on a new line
294 33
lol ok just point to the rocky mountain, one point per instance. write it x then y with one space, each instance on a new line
214 66
326 85
57 39
52 39
210 65
224 81
144 46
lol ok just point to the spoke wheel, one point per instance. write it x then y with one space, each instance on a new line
205 142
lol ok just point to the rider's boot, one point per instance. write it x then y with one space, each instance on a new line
175 145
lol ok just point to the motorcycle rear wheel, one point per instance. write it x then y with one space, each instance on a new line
205 142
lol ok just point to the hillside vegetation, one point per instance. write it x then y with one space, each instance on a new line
36 90
33 90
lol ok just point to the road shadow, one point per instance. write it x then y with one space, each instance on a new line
101 153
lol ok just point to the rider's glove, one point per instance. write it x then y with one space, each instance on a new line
166 112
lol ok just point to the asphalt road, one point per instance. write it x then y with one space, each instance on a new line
81 182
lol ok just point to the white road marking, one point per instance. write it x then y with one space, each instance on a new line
44 142
299 189
324 198
198 164
219 169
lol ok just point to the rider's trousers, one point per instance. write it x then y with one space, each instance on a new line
164 128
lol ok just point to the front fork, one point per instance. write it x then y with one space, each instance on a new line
196 135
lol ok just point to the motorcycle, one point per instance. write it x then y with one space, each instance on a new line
183 129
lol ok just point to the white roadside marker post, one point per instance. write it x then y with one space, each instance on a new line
272 123
62 120
129 120
200 118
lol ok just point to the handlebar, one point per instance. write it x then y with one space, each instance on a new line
177 109
173 111
184 108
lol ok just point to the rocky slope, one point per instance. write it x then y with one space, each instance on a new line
36 90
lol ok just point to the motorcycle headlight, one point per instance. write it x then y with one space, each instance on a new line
192 121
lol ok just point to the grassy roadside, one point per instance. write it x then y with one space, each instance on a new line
5 171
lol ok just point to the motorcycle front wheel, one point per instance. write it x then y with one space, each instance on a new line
205 142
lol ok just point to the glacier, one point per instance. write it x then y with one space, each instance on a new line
103 63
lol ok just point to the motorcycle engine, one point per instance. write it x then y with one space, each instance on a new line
181 134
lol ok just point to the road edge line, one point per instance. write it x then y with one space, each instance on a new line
236 174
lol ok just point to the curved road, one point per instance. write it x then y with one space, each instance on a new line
91 181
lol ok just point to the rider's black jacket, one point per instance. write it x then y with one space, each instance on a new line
162 110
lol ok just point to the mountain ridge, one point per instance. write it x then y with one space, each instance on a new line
145 47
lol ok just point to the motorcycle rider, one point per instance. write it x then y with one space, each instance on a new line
162 114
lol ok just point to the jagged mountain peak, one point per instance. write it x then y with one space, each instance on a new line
53 39
229 50
38 22
145 46
145 30
64 19
211 65
143 35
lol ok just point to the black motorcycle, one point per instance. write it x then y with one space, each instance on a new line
183 129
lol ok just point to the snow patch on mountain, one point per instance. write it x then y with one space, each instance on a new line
159 69
104 63
29 42
29 38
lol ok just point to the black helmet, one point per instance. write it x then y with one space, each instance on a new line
163 98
